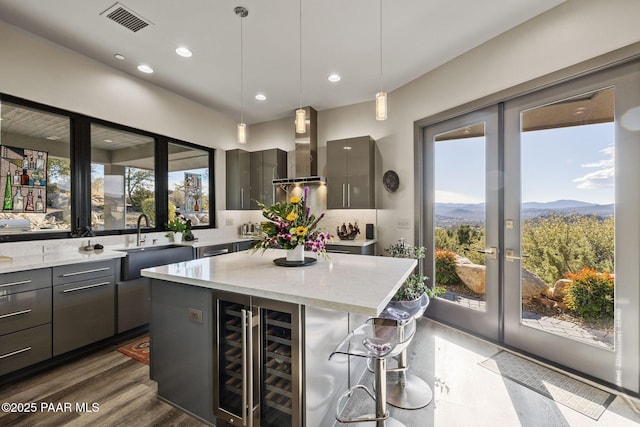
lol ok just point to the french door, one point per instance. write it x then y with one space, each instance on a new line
558 242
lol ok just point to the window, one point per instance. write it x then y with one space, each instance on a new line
122 178
188 179
35 170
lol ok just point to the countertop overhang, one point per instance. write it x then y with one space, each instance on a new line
351 283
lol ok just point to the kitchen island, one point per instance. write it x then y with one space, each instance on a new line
238 337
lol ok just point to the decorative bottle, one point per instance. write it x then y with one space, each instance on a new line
25 162
29 205
18 200
16 177
39 202
24 178
40 162
8 196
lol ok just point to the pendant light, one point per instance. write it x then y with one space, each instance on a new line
242 12
381 97
301 117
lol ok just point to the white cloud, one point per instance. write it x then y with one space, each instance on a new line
602 178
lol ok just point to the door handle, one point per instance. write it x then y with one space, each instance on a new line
509 255
490 252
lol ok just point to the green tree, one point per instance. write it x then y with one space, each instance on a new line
135 181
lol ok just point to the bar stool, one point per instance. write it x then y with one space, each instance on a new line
404 389
377 339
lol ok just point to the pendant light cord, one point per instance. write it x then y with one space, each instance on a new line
300 56
380 45
241 73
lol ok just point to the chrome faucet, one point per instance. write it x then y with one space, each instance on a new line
146 219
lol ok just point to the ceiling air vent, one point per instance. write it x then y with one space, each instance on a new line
125 17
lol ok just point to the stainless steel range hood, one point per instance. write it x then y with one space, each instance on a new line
306 155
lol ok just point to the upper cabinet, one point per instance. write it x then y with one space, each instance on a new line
267 165
250 177
351 173
238 182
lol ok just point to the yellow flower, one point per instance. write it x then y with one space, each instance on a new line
301 230
292 216
294 199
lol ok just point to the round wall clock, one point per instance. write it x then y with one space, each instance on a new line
390 181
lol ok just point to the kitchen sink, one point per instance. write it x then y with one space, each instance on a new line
151 256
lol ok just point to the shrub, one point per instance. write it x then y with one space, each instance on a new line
446 268
590 294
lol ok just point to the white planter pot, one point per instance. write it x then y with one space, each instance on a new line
177 237
296 254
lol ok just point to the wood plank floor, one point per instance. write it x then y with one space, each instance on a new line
118 384
465 393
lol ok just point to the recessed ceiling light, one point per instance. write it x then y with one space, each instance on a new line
333 78
145 68
261 97
53 138
119 56
184 52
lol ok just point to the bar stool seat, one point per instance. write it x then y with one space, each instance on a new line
377 340
404 389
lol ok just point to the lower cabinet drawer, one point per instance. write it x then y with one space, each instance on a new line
83 313
24 310
24 348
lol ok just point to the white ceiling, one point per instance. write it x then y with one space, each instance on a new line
339 36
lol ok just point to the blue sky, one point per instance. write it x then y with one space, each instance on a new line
564 163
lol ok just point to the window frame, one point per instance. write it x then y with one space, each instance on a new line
80 159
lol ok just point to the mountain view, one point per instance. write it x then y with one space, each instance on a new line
452 214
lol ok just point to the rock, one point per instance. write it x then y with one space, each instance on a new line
532 285
559 290
473 276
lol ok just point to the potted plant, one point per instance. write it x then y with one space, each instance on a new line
179 226
414 295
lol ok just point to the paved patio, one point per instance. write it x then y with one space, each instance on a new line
597 337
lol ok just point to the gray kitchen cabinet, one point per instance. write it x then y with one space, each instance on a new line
351 173
181 331
133 303
238 184
83 304
265 166
25 318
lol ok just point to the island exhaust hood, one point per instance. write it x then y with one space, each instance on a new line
306 155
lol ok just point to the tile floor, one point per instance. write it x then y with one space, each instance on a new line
467 394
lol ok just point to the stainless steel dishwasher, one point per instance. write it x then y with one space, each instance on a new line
214 250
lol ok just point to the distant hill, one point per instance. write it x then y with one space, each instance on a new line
451 214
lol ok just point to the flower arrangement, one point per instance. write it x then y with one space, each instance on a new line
414 286
290 224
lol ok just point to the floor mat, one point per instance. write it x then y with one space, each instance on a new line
138 350
574 394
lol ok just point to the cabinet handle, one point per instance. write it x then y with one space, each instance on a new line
215 252
245 380
348 195
250 370
15 313
343 188
338 251
95 270
242 197
21 282
80 288
13 353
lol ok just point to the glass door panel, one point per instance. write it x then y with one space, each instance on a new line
463 154
571 228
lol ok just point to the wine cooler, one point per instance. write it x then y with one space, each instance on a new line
258 362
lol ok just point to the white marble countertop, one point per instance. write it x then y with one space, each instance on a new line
358 243
350 283
53 259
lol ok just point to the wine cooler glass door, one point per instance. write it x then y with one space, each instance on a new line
277 386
